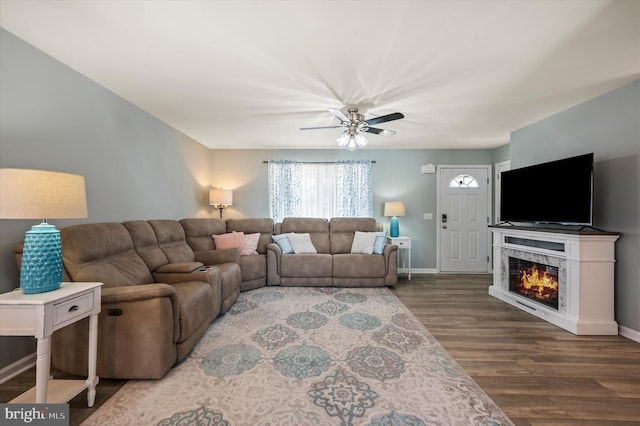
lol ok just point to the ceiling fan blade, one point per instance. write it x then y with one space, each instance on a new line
385 118
382 132
324 127
338 114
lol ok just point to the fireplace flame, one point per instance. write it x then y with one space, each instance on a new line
541 281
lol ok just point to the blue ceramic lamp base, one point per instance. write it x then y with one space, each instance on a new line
41 269
394 230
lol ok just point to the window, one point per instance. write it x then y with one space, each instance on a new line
341 189
463 181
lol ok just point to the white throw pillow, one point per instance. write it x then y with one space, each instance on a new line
301 243
363 242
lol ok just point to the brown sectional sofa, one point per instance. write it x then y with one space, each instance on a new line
253 268
334 264
145 326
165 282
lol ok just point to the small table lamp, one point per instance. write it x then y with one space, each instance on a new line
37 194
394 209
220 199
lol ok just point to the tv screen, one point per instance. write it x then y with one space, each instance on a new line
558 192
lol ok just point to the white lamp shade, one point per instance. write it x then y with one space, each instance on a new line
394 208
220 197
38 194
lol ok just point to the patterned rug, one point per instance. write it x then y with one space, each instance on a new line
309 356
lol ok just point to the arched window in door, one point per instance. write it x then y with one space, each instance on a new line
463 181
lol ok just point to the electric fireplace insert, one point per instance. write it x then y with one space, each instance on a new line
534 281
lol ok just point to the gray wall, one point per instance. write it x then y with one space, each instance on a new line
608 126
134 165
396 177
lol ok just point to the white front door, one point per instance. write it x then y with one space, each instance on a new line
463 218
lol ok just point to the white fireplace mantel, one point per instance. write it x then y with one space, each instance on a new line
586 279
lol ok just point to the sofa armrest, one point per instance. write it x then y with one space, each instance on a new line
390 254
388 249
274 254
134 293
214 257
178 267
210 274
131 293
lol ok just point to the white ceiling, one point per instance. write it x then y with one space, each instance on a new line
249 74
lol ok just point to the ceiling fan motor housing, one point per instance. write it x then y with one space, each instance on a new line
354 116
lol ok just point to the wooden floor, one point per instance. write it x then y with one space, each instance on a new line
536 372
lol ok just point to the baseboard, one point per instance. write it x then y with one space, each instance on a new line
629 333
21 365
418 271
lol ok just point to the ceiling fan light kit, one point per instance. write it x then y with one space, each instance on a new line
355 124
351 141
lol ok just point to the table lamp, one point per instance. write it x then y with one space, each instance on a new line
394 209
38 194
220 199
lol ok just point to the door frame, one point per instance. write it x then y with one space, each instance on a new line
498 168
489 184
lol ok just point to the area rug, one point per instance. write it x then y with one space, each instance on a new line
309 356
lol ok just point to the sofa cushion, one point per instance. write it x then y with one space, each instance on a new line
227 241
306 265
301 243
317 228
102 252
146 243
172 240
283 241
359 265
342 231
253 267
198 232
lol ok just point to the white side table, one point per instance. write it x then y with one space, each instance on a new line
404 247
41 314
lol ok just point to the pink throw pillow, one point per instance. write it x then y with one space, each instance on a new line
250 244
227 241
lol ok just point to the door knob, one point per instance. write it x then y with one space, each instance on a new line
444 226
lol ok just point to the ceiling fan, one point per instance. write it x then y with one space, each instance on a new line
354 125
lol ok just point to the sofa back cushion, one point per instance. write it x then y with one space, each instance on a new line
146 243
343 229
199 231
102 252
263 226
317 228
172 240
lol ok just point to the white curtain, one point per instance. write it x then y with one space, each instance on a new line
341 189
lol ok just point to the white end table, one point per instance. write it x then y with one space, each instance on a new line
41 314
404 244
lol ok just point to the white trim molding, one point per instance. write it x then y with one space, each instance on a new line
629 333
18 367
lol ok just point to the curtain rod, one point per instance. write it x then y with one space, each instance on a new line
316 162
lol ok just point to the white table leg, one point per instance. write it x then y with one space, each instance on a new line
92 379
409 261
43 368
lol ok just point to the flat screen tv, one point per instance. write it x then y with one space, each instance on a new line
557 192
